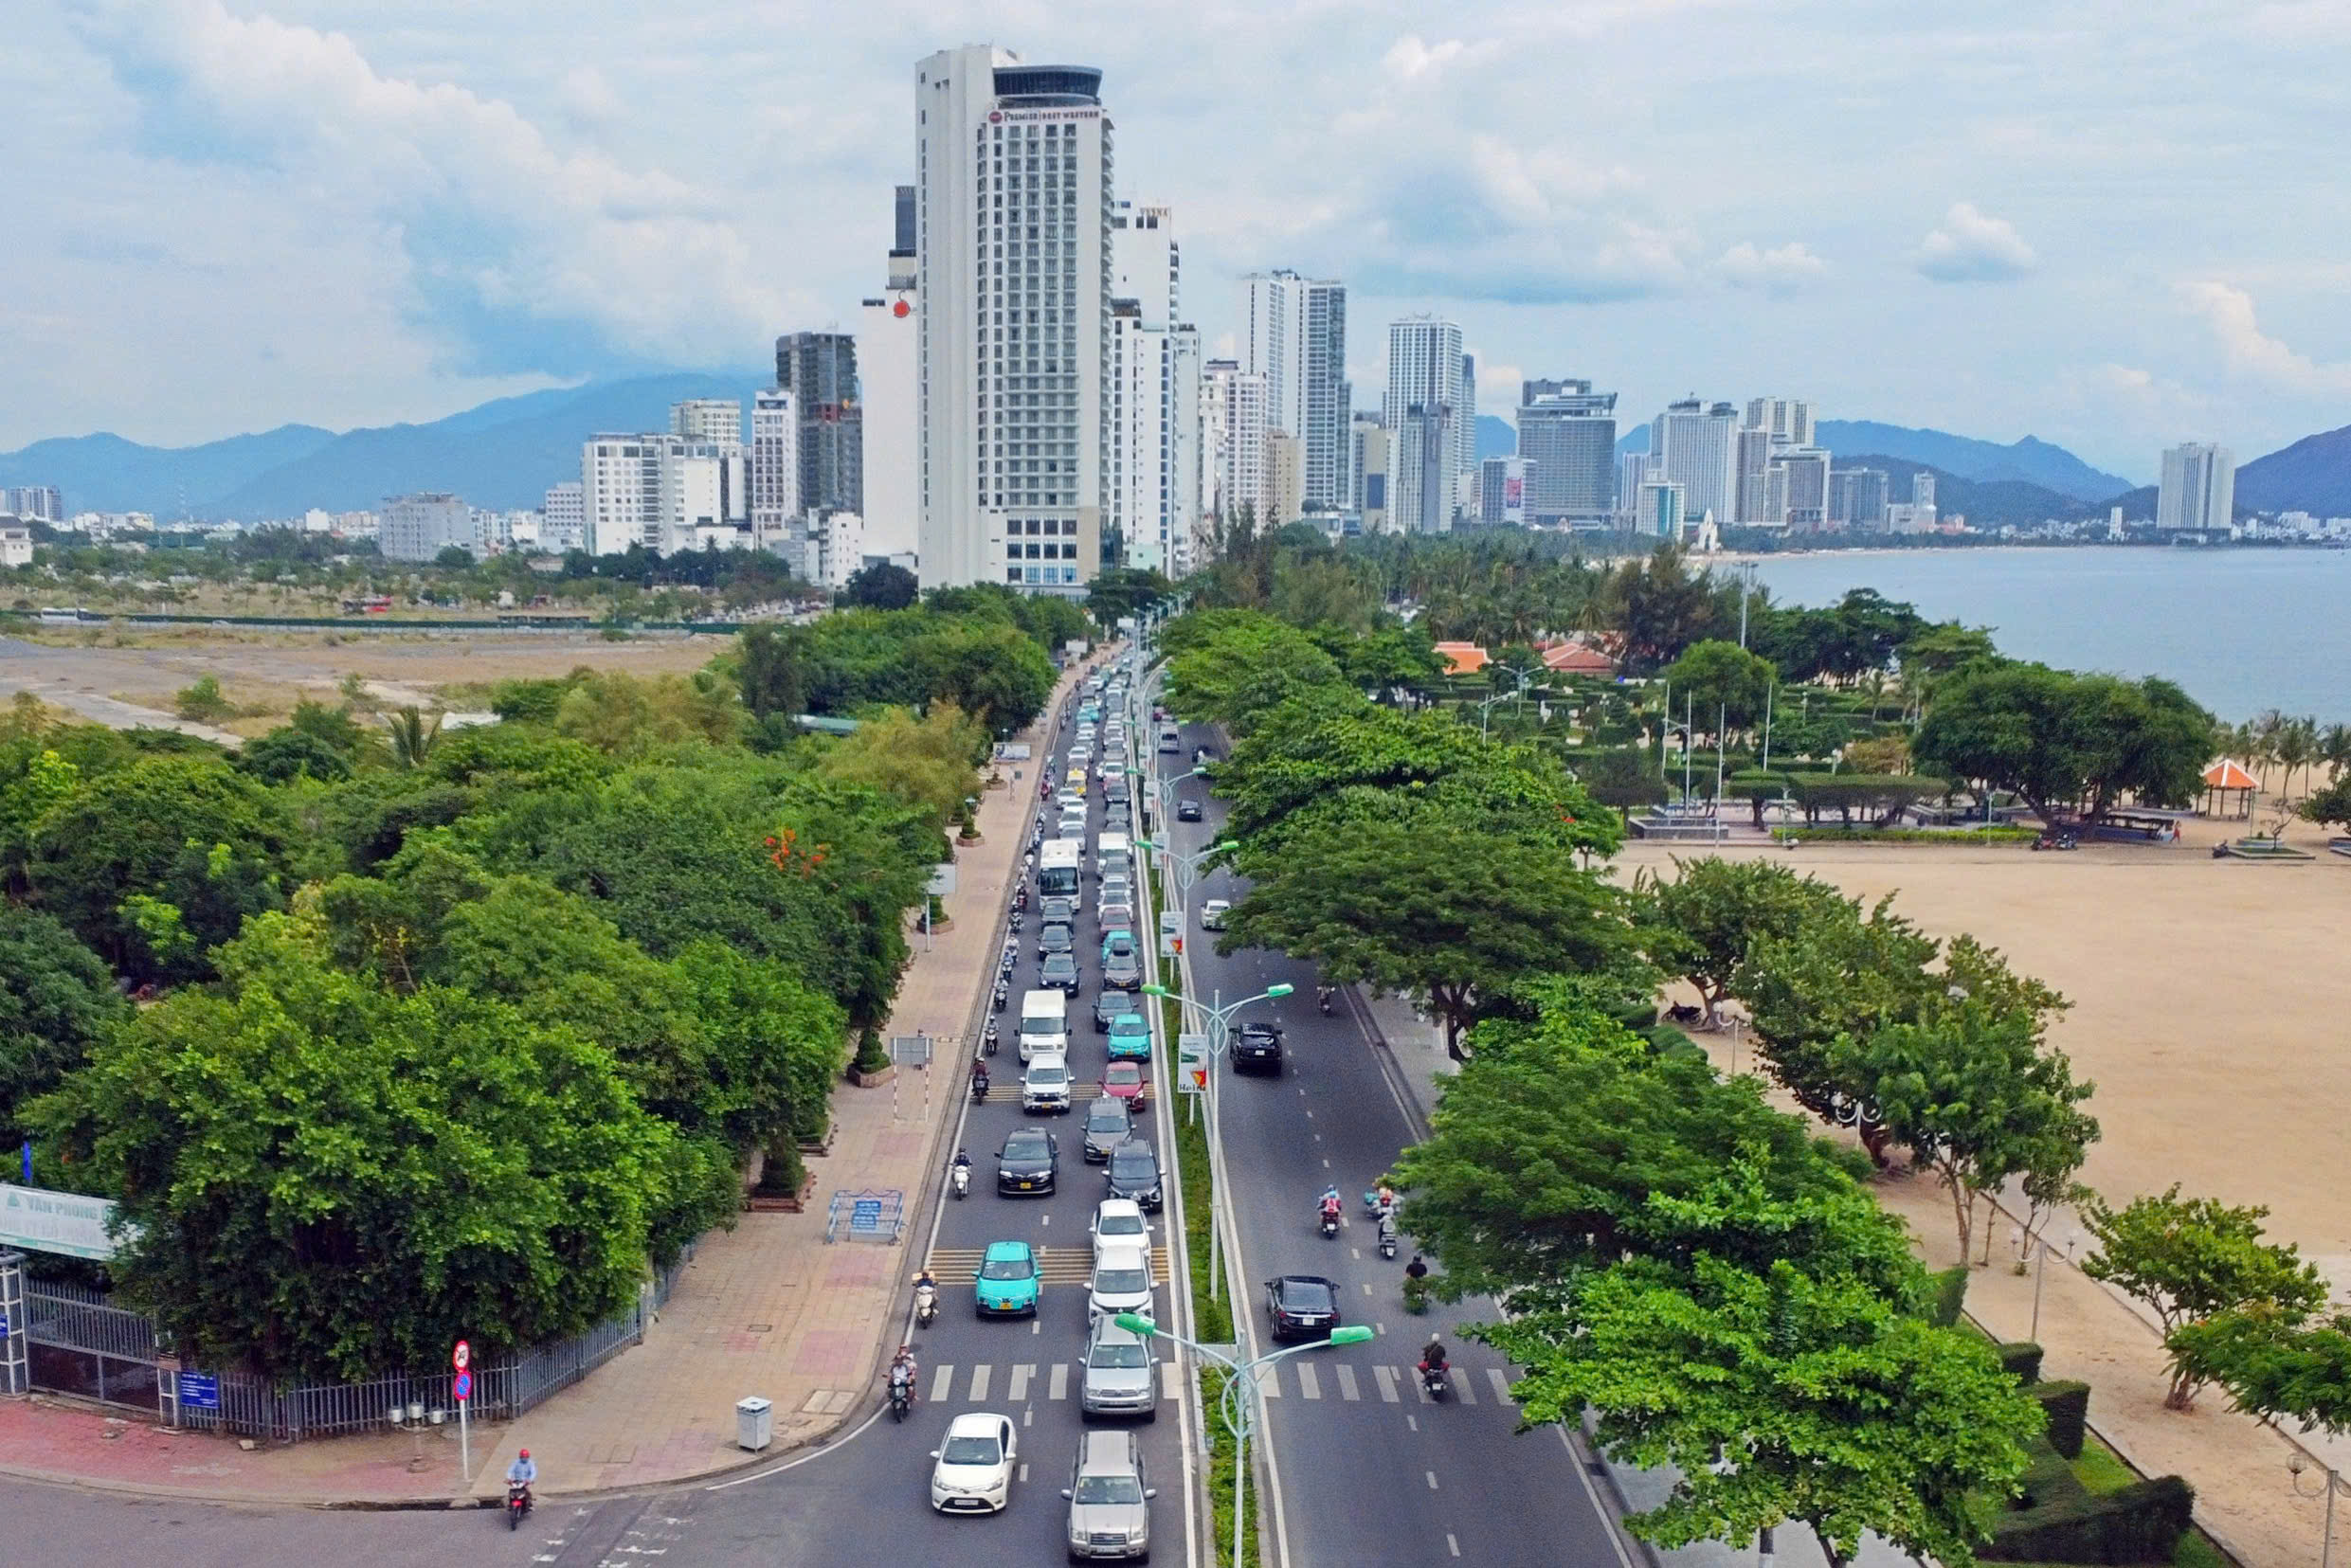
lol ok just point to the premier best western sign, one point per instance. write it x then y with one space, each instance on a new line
49 1221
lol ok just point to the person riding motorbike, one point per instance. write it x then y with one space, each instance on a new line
902 1371
1388 1234
522 1472
1433 1354
1416 1268
926 1305
1322 998
1328 1207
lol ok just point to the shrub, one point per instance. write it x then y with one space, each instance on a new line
2067 1407
1948 837
2021 1360
2143 1523
1951 1295
1879 795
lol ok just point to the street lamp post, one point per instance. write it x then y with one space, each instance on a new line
2334 1486
1218 1017
1186 867
1164 788
1238 1403
1485 708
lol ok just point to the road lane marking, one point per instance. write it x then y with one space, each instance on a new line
1018 1389
1310 1385
1357 1253
1367 1283
1432 1476
1025 1474
1501 1385
942 1383
1451 1545
1058 1383
1346 1384
1461 1387
1269 1381
979 1382
1413 1421
1326 1164
1386 1374
1170 1386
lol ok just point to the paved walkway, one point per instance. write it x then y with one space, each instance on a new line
768 1309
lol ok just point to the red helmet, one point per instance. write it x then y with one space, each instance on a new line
526 1453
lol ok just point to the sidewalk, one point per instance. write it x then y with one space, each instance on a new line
768 1309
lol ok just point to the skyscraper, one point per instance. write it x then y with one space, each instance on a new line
1012 194
1787 420
774 470
1294 333
820 369
1370 461
1152 490
1806 496
1467 461
715 420
1569 433
887 418
2198 489
1694 444
1423 385
1857 499
1234 431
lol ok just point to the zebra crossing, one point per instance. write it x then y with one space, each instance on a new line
1020 1382
1055 1265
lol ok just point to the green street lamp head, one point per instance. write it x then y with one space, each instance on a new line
1228 844
1352 1334
1146 843
1136 1323
1157 991
1279 990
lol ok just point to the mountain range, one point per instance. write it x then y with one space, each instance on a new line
505 453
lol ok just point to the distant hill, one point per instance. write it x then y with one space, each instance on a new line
105 473
502 454
2313 475
2032 460
1496 436
1985 503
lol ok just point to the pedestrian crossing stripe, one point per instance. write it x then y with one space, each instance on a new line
1055 1265
1060 1381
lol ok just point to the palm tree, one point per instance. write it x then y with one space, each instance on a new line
2295 745
412 736
2266 729
2335 749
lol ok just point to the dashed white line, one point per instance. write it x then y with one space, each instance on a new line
942 1383
979 1382
1451 1545
1432 1476
1058 1383
1310 1385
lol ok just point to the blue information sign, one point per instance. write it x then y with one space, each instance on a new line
865 1217
200 1391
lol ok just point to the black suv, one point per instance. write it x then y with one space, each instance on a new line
1301 1306
1111 1004
1134 1173
1188 810
1257 1049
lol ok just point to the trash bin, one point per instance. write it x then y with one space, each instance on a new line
755 1423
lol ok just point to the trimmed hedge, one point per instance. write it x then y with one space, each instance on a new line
1870 794
1947 837
2067 1407
2143 1523
2021 1360
1951 1287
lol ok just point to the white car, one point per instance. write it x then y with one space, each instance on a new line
973 1472
1118 1222
1213 912
1046 1086
1122 1281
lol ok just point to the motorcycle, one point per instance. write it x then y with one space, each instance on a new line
901 1394
962 1179
1321 998
1003 994
1433 1380
979 1094
2056 838
1331 1223
992 1039
1388 1240
518 1503
926 1305
1014 923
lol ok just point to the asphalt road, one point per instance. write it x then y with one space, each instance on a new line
1367 1471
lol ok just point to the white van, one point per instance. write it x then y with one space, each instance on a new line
1114 855
1044 1023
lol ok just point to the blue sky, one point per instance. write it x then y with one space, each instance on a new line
2113 224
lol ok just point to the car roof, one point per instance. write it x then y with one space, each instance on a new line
1132 1146
1116 1108
1008 1248
1028 1135
1283 1281
1135 1019
979 1423
1121 1252
1119 1205
1108 1330
1106 1450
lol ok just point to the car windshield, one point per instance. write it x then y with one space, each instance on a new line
1301 1296
1136 1165
1041 1075
1109 1489
1122 1224
1121 1280
1007 1268
1119 1355
1043 1026
1106 1117
1027 1146
971 1451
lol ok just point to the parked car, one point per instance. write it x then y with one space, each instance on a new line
1130 1037
1030 1161
1006 1286
1301 1306
1134 1173
1108 1124
1121 1375
1188 810
1257 1049
1111 1004
972 1472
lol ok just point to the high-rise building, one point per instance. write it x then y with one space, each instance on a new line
563 519
716 424
665 492
1632 473
1753 477
1787 420
420 526
886 415
1235 434
1858 498
2198 489
38 503
1152 494
1923 488
1423 384
1569 432
715 420
1187 455
1694 444
1294 333
1806 493
820 369
1285 477
774 470
1502 491
1660 509
1013 268
1368 458
1467 462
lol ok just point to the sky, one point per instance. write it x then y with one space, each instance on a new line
2114 225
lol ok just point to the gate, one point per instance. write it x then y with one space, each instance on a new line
78 1344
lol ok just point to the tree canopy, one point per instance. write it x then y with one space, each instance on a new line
2063 740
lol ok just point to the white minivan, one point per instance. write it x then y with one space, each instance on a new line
1044 1023
1114 855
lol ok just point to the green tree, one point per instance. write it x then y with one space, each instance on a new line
332 1179
1702 922
33 778
333 727
286 753
412 737
996 673
58 1001
1779 1395
454 558
622 715
881 587
2191 1259
1439 907
188 832
773 669
1720 679
203 702
1229 666
2328 807
926 762
1661 607
2276 1362
2060 739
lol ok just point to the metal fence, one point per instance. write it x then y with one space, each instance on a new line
85 1347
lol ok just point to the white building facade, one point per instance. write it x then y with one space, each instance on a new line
1424 384
1234 430
774 468
888 326
420 526
1294 334
2198 489
1695 445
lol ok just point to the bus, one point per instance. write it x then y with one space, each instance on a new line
1056 867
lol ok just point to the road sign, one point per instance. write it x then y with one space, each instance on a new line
870 1215
1192 1063
200 1391
463 1357
463 1390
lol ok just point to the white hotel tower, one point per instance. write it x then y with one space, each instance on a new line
1013 266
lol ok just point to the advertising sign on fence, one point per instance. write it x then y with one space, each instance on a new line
49 1221
200 1391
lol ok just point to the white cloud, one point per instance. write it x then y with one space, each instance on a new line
1409 60
1783 269
1973 248
2252 352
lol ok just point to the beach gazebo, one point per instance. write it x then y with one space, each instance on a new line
2222 780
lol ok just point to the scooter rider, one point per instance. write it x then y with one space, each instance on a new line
523 1472
902 1372
1387 1233
1329 1206
1433 1355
